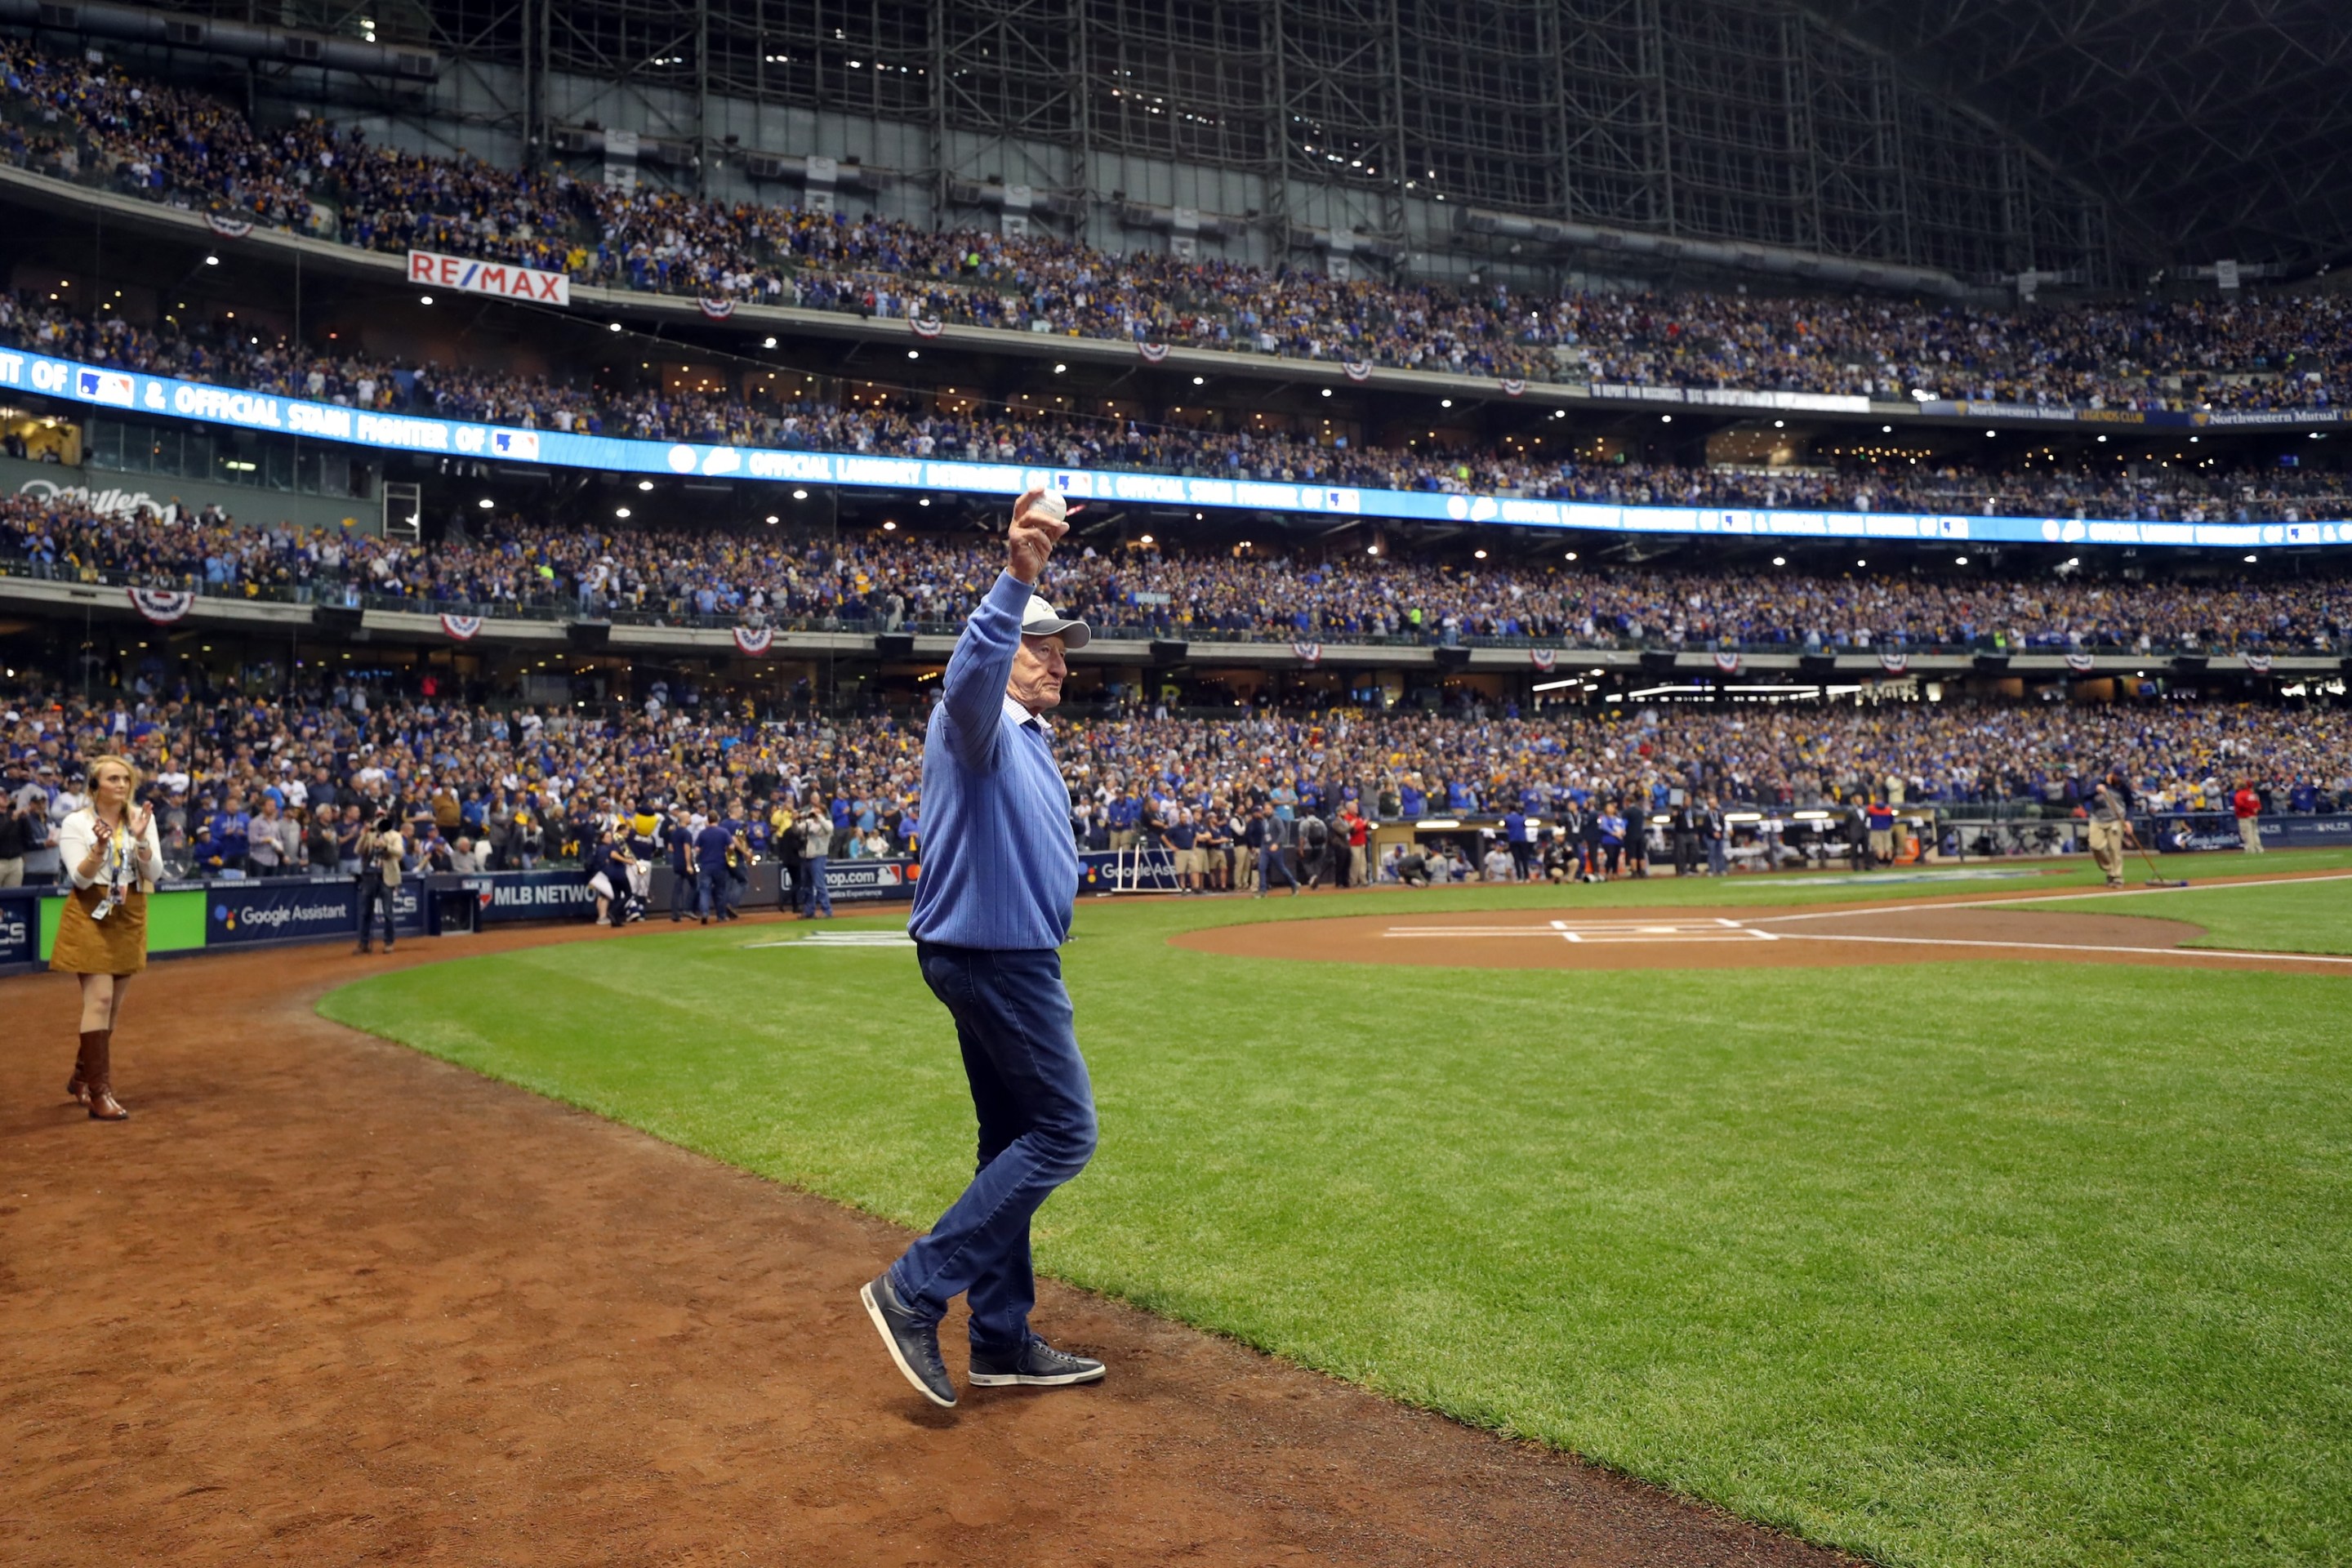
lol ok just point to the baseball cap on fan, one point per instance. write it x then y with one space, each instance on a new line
1042 620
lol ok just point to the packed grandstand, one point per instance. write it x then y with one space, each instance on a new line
261 785
97 123
1014 433
893 581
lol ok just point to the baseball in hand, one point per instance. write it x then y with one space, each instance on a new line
1052 507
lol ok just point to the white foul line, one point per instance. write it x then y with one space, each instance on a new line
2067 947
2047 898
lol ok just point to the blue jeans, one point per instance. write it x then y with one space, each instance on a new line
1270 866
819 896
681 891
1036 1114
710 891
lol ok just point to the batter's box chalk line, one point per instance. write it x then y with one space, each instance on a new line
840 939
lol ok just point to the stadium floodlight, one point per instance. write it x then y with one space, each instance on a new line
924 500
769 344
1060 368
913 353
616 326
1889 430
1779 424
1200 381
773 520
2251 559
644 484
212 261
487 504
1146 539
1478 555
620 512
1666 418
1959 560
1780 561
1445 403
1571 555
1862 563
800 495
425 298
1326 392
1988 432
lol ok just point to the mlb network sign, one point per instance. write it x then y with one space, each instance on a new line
503 278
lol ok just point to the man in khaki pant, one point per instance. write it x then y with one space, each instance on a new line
2110 819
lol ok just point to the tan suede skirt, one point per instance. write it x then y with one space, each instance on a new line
115 945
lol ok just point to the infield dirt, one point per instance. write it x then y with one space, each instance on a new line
326 1300
1749 937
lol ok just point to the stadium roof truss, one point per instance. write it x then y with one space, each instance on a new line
1984 138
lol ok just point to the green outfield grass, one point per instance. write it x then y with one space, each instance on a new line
1948 1264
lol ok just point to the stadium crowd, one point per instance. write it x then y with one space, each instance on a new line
263 784
962 431
63 114
887 582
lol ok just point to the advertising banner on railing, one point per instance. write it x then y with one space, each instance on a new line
163 395
505 280
294 908
2182 832
554 895
20 928
861 881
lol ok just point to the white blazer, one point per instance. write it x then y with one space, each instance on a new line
78 832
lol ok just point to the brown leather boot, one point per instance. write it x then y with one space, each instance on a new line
78 1086
103 1105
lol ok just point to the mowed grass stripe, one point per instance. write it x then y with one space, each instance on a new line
2002 1262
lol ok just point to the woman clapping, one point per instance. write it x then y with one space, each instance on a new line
111 855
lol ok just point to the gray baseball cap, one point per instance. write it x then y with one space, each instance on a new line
1042 620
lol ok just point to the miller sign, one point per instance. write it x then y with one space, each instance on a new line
504 279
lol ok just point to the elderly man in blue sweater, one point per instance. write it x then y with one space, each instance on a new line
991 910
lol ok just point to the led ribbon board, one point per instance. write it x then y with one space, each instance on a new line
164 396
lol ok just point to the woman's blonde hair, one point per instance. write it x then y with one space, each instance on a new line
99 764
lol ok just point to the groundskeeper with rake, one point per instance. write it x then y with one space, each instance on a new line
991 910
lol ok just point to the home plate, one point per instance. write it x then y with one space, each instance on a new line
1710 929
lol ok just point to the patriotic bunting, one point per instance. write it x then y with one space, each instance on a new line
231 227
1153 352
1543 658
755 642
1894 661
1308 652
718 310
2078 661
1728 662
161 606
2260 663
1513 387
1356 369
462 628
926 326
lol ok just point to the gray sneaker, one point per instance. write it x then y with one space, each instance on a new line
913 1344
1035 1364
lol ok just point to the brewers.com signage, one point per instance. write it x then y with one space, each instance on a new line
505 280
